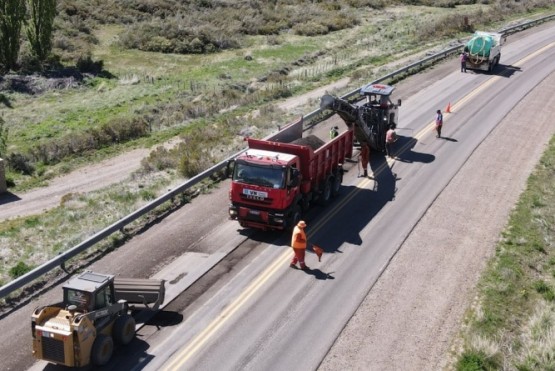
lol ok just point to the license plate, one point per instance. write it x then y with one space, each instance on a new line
255 194
254 212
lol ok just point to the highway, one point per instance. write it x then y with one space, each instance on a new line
253 312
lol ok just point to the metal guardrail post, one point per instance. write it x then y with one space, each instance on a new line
60 259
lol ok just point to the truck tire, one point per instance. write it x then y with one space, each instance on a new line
102 350
336 184
325 196
124 329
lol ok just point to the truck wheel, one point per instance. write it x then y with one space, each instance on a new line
102 350
336 185
325 196
124 329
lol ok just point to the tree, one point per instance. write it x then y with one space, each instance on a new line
12 16
39 29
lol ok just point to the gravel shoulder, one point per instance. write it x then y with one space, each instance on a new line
411 317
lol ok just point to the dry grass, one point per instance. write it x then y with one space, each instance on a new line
513 324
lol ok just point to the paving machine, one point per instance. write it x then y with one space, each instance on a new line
372 119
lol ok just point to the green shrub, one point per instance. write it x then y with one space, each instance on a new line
20 163
10 182
147 195
19 270
544 289
310 28
159 159
476 361
87 64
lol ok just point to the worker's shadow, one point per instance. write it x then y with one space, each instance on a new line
317 273
403 150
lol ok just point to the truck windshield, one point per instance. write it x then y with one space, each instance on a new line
266 176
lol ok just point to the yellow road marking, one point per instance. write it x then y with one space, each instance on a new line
185 354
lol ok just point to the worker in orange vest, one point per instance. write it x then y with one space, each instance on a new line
298 243
364 157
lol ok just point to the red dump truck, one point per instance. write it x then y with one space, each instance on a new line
276 180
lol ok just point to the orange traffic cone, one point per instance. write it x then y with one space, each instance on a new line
318 250
448 109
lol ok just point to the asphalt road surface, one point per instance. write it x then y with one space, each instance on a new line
253 311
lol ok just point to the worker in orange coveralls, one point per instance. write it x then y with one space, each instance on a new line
364 157
298 243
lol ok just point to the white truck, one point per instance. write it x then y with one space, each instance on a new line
484 50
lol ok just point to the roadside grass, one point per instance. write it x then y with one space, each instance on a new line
512 325
33 240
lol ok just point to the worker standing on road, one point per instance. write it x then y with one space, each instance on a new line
298 243
364 157
439 123
463 57
390 138
334 132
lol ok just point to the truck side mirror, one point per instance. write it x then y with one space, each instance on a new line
230 167
399 102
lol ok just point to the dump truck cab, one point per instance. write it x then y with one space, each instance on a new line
275 181
265 184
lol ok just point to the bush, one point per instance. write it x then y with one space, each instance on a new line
476 361
194 157
159 159
19 270
545 290
86 64
19 162
310 28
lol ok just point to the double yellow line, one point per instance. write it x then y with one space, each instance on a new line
204 336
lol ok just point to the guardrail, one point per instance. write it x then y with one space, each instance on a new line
312 116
